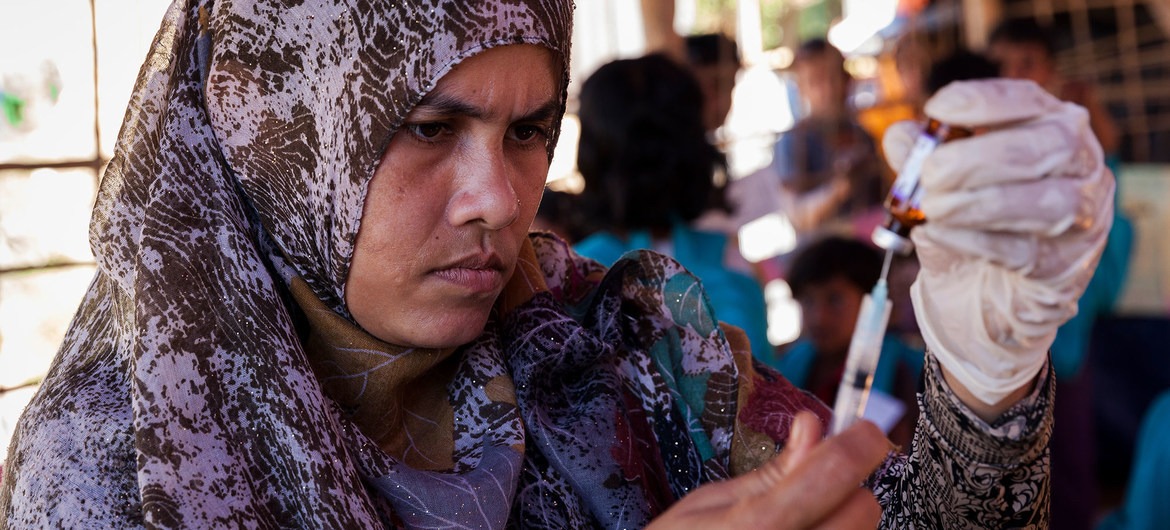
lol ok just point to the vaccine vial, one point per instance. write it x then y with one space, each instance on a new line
902 205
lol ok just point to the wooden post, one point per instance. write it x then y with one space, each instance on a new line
979 16
658 24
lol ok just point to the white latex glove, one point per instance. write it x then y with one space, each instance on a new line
1017 217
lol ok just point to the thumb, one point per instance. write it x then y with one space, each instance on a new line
803 437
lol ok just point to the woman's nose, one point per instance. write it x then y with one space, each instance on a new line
486 194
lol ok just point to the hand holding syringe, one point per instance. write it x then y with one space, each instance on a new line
903 213
864 350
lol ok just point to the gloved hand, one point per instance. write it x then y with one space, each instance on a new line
1017 217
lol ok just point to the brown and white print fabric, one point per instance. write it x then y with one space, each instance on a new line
182 395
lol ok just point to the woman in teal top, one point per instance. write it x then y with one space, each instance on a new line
650 174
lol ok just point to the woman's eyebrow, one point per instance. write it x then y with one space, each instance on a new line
546 112
439 104
448 105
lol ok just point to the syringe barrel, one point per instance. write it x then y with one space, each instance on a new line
861 363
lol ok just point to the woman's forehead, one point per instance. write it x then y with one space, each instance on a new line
523 72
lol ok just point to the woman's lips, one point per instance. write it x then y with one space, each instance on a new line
479 274
475 280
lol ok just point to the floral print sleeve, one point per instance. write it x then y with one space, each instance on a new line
965 473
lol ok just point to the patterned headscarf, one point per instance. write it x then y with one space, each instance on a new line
253 131
281 111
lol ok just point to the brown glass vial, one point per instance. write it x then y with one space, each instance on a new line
902 205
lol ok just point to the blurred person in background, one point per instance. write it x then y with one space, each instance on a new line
912 60
1025 49
714 60
829 277
901 75
959 65
650 183
828 167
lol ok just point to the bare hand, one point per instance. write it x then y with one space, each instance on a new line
812 484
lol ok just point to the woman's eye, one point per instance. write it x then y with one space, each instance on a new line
426 131
525 133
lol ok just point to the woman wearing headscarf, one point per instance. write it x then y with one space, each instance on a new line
317 306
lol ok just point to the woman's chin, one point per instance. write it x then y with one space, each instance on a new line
447 331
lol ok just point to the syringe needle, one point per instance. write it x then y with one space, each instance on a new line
886 264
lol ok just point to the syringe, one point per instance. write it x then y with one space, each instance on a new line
864 350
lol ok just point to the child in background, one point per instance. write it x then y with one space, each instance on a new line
829 278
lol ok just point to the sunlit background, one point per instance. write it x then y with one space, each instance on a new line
68 66
63 91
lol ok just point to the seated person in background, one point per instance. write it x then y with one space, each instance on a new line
829 277
901 77
1024 49
828 166
649 176
912 58
714 61
558 213
960 65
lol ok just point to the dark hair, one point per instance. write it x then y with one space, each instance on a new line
560 211
831 257
643 150
1024 31
962 65
711 49
817 47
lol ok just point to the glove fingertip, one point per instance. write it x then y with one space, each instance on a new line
986 102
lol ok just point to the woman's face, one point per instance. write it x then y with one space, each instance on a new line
452 199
